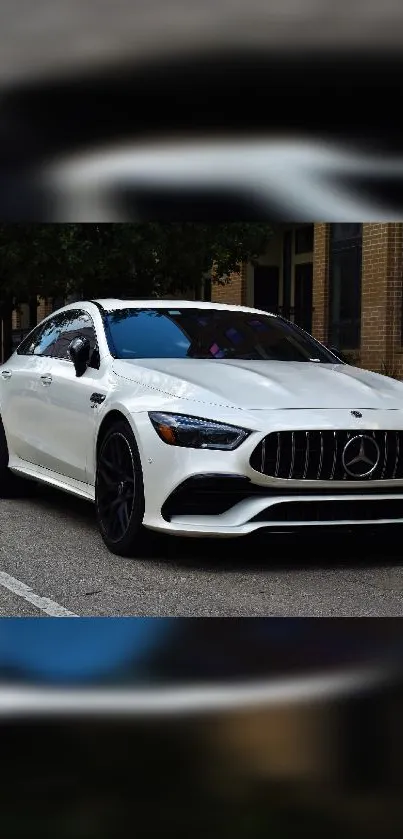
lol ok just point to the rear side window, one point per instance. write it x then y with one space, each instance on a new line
47 338
31 344
25 345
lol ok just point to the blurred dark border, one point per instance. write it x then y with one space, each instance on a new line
351 97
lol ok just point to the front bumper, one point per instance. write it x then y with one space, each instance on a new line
223 506
219 493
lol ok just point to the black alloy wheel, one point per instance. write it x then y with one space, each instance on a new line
119 494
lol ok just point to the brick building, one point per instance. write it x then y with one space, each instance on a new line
342 282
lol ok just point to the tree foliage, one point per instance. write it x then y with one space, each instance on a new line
122 259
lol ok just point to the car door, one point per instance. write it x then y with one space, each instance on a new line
71 418
24 393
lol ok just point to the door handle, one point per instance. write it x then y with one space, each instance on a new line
6 374
46 380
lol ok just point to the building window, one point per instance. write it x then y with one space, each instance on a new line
287 273
303 295
345 286
346 232
304 239
266 287
207 289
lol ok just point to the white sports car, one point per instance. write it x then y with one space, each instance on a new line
199 419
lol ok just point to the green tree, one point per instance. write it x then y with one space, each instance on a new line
122 259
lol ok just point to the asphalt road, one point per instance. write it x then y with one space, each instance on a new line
52 561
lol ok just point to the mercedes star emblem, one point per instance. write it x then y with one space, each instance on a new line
361 456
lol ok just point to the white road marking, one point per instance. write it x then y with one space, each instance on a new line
44 604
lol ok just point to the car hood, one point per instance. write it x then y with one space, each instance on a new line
261 385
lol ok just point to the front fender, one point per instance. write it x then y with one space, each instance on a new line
103 412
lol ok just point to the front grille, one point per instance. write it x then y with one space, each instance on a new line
318 455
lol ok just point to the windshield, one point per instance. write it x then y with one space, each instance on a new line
209 333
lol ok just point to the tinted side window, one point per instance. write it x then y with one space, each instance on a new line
77 324
53 337
42 339
48 337
27 345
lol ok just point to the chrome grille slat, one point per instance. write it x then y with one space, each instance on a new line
385 456
319 472
278 455
263 458
306 464
373 435
397 458
334 455
315 454
292 454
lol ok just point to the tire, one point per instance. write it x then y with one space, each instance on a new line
119 493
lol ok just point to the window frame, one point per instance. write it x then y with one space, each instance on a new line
339 244
299 232
40 327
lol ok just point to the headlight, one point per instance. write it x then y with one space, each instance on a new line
196 433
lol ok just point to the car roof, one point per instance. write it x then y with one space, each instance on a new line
112 304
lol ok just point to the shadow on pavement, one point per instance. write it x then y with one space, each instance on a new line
277 552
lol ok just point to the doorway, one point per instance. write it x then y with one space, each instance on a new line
266 287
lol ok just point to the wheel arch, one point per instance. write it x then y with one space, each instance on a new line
117 413
110 419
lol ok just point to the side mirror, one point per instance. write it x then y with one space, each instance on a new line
338 353
80 352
